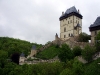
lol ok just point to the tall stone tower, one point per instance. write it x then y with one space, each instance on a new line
70 23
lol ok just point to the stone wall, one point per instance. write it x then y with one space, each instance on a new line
40 61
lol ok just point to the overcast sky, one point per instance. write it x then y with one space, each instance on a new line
37 21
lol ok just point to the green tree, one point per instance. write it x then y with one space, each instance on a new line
65 53
88 52
77 51
92 68
66 72
83 37
3 58
78 68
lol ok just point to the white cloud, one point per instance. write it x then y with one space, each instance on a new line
38 20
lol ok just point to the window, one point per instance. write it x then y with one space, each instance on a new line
95 32
78 22
68 22
69 17
64 29
64 36
78 18
69 34
66 18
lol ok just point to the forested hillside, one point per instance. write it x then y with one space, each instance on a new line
68 65
11 45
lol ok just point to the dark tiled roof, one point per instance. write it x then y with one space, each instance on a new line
96 23
33 47
78 25
69 12
22 55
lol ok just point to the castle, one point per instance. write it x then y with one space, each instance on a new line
70 28
70 23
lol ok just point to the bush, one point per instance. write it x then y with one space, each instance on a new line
83 37
88 52
65 53
77 51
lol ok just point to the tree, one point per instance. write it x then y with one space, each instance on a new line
83 37
77 67
66 72
3 58
88 52
65 53
77 51
93 68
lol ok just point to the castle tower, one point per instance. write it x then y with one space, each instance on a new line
94 29
22 59
33 51
70 23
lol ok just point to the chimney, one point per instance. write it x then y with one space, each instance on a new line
62 13
78 11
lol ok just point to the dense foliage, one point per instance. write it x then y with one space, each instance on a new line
49 52
77 51
88 52
11 45
65 53
83 37
70 65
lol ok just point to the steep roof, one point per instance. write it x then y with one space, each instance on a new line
69 12
22 55
95 25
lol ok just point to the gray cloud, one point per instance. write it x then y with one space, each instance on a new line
38 21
